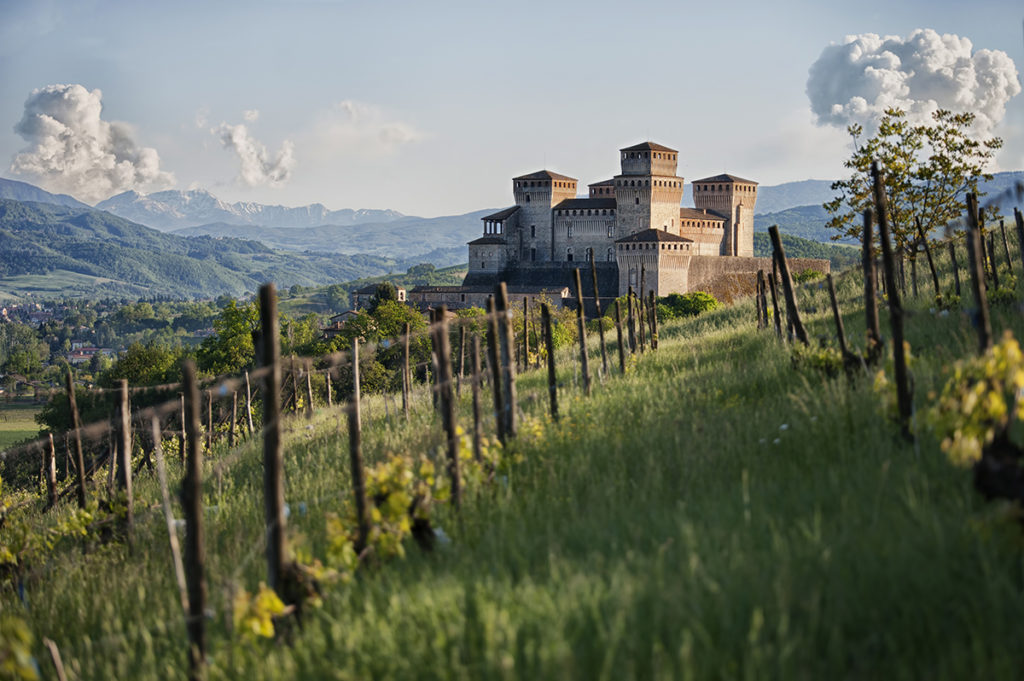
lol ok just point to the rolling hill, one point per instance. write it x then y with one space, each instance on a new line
111 255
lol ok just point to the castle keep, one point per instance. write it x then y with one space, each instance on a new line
630 224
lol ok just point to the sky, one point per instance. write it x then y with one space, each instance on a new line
430 108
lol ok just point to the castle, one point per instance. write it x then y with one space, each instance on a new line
630 225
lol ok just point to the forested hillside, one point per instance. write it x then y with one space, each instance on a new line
111 255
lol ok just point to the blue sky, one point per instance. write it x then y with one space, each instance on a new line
431 108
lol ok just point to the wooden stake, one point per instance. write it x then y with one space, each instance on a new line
209 421
248 404
509 373
928 255
758 283
874 349
618 334
273 463
355 451
495 366
549 347
462 357
447 399
652 315
234 419
76 426
992 260
50 473
406 376
526 333
475 387
581 330
124 472
309 391
181 440
58 663
630 321
599 318
775 304
1006 245
195 552
903 396
172 532
840 332
329 387
974 257
1018 217
792 312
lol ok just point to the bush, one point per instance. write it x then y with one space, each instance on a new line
807 275
676 305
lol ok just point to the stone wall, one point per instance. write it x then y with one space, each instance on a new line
730 278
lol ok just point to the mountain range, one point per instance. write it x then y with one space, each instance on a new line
175 209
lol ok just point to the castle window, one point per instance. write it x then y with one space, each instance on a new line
611 254
610 228
527 198
568 254
463 296
533 234
590 254
638 200
568 230
533 254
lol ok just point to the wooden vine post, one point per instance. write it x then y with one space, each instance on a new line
992 260
234 419
903 397
447 399
581 330
1006 245
840 331
195 552
462 357
630 322
549 347
355 452
475 388
248 404
209 421
309 391
182 436
776 315
172 532
124 468
76 426
653 317
758 297
406 376
526 333
931 262
1018 218
618 335
874 349
507 345
495 366
792 312
974 257
600 319
50 473
273 463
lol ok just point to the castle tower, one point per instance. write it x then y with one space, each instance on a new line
732 198
647 192
532 238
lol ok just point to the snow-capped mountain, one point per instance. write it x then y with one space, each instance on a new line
175 209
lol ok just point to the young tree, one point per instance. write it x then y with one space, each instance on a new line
928 169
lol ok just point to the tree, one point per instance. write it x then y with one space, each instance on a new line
145 365
385 291
231 349
928 169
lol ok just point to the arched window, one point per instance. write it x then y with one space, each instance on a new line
611 254
568 254
590 254
533 231
527 198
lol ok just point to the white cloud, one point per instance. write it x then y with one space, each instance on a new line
360 128
251 115
73 150
257 167
854 82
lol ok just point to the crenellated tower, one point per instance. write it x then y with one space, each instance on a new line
536 194
733 198
648 191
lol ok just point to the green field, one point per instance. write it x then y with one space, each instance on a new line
716 513
17 422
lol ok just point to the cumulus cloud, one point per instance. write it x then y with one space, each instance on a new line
855 81
358 127
251 115
73 150
257 167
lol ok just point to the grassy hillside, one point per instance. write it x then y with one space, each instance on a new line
121 257
716 513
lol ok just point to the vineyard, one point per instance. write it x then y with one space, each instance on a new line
755 491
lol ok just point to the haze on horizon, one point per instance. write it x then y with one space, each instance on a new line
430 109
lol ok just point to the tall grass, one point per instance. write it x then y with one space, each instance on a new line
716 513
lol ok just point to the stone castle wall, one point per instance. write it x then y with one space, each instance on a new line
729 278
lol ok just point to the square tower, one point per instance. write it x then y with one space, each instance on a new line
536 194
733 198
647 192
